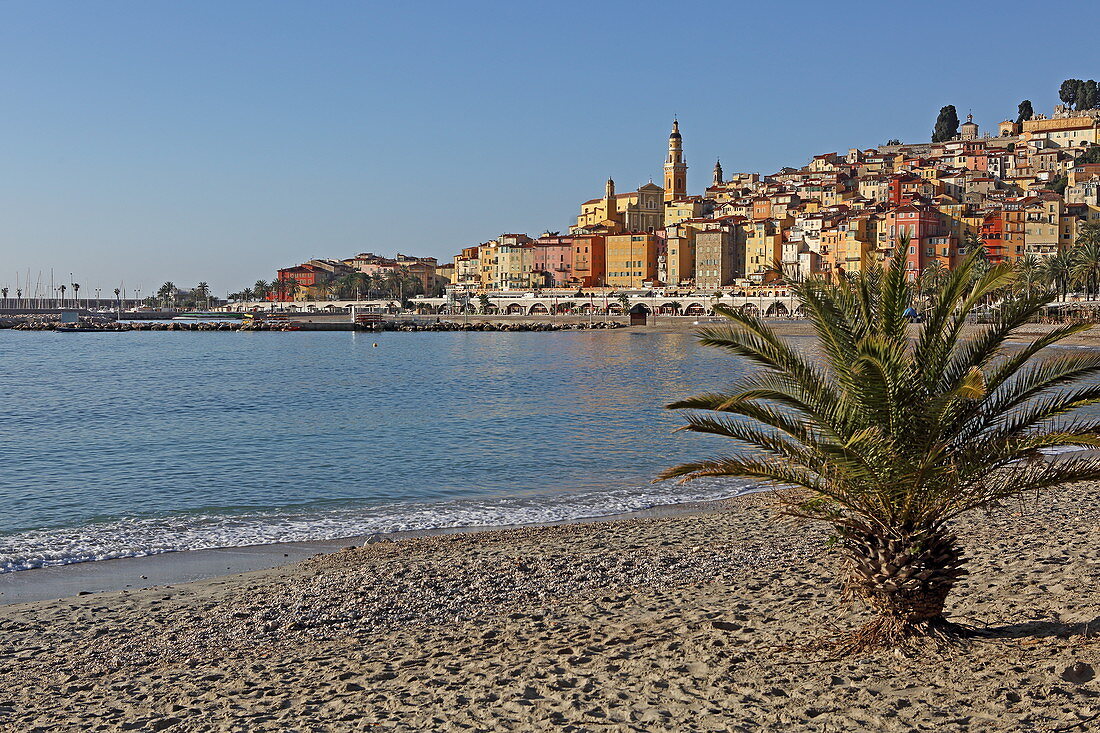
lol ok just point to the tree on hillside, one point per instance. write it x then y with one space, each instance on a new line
1025 111
947 125
893 141
1068 91
1092 155
892 432
1088 96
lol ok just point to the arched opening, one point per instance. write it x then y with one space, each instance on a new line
694 309
777 310
515 309
539 309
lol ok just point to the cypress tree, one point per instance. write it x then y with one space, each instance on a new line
1025 111
947 124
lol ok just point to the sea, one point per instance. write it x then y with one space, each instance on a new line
133 443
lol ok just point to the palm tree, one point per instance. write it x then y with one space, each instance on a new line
61 289
288 288
1029 275
350 284
890 438
261 289
167 293
4 292
1086 265
247 294
1058 269
1089 234
933 277
76 294
202 290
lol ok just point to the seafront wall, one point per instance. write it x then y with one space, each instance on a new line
40 324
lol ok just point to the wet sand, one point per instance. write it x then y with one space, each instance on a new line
677 623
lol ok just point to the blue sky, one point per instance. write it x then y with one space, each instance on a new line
150 141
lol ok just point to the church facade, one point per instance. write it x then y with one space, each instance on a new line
642 210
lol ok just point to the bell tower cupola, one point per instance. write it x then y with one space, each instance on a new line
675 167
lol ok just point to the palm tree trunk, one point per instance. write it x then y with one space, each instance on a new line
905 579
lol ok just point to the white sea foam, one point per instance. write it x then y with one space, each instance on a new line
147 536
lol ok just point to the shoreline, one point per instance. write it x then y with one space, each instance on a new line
690 622
89 577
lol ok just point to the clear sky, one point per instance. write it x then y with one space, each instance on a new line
146 141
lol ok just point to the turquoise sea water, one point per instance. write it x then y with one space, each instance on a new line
121 444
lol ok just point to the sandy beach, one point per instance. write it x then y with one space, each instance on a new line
687 622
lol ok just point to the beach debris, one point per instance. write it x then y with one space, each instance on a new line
1078 673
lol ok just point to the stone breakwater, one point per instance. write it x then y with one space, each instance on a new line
51 324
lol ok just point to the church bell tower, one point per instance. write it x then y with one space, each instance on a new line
675 168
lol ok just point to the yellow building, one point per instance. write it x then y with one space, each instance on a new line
681 209
763 247
1063 132
506 262
488 265
680 262
848 247
640 210
631 260
466 270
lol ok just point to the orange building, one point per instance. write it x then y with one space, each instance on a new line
589 251
631 259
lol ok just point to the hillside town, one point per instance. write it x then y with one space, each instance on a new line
1025 191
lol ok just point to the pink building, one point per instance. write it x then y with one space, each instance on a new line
553 258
